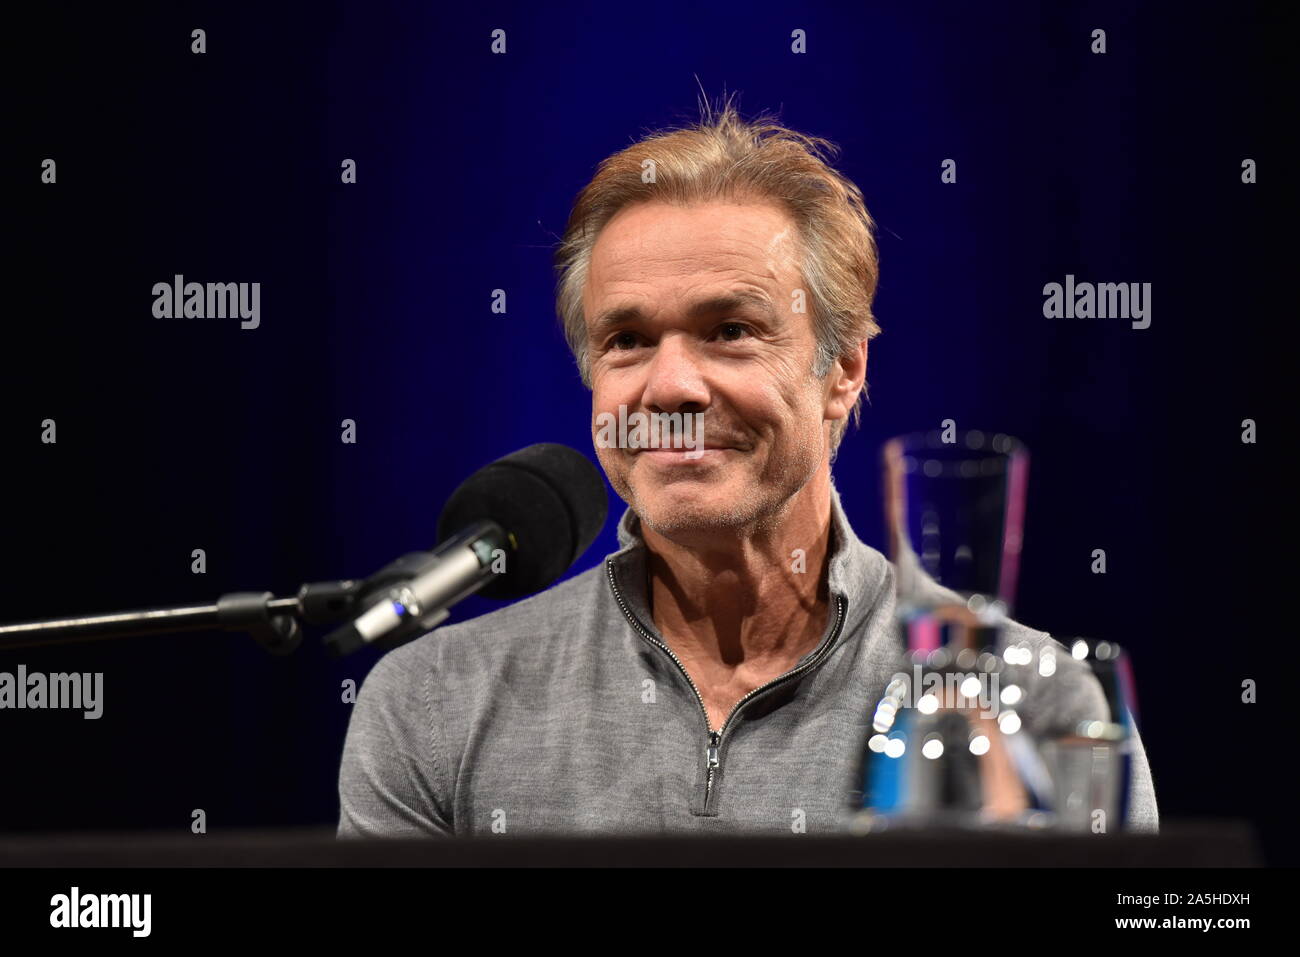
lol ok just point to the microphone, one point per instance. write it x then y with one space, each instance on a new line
510 529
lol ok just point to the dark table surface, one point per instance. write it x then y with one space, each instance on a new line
1219 843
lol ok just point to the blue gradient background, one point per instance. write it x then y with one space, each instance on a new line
376 307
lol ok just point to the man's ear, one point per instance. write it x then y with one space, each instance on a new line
846 379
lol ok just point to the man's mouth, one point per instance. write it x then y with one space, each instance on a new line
686 456
707 448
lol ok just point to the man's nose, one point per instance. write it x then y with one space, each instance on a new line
674 379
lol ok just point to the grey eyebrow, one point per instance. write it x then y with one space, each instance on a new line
727 302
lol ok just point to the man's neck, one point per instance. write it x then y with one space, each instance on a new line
747 609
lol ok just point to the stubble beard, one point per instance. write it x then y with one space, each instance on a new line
753 510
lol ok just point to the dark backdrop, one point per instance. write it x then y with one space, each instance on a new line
184 434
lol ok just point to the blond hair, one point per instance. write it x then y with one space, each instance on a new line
723 157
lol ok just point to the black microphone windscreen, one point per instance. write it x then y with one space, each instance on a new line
550 497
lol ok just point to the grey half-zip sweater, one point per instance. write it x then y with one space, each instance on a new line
566 712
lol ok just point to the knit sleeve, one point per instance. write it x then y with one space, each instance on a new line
393 757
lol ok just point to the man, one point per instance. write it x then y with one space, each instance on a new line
718 672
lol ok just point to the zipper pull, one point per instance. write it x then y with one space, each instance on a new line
712 752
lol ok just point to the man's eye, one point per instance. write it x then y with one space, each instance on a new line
732 331
623 341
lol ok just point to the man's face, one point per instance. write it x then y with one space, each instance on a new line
694 309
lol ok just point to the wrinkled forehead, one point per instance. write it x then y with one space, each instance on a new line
654 249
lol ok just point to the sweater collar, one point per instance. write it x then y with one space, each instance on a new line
856 572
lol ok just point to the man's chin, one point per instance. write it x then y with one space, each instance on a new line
675 511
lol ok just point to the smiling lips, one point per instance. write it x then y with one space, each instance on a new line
707 448
685 457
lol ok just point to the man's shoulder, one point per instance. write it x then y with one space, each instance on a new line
558 607
1061 691
525 632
